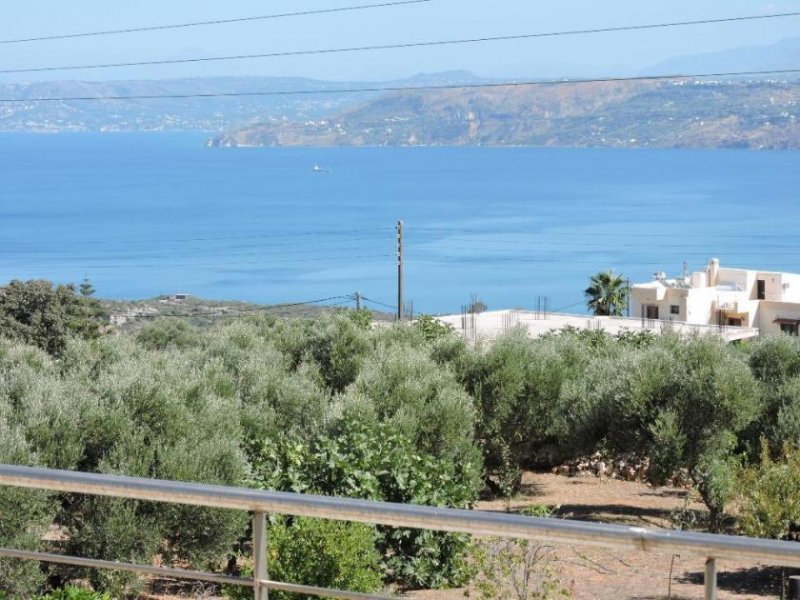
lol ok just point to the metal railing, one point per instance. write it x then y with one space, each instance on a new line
260 503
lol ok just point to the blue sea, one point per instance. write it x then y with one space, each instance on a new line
148 214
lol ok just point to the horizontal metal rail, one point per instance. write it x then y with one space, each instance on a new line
93 563
720 547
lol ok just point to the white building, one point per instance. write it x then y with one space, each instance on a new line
487 326
768 301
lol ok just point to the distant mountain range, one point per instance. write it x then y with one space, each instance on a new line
743 113
783 55
212 112
667 114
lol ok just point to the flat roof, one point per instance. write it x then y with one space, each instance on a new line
492 324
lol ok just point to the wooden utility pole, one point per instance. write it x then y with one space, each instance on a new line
399 270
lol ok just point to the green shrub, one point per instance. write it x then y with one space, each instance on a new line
168 332
339 346
517 384
406 388
25 516
770 503
617 397
432 329
775 359
330 554
141 415
361 317
75 593
376 462
718 398
36 313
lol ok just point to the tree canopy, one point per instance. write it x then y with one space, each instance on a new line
37 313
607 294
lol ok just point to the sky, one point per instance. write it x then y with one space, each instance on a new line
590 55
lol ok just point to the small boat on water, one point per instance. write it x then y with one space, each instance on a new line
318 169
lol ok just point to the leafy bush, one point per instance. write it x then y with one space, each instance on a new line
702 425
517 384
168 332
329 554
25 516
361 317
431 328
376 462
775 359
617 397
770 505
339 346
36 313
406 388
75 593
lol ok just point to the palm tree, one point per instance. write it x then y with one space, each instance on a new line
607 294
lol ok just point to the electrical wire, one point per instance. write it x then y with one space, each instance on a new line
128 30
403 45
558 310
420 88
365 299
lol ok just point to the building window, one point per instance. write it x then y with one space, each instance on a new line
790 328
674 309
762 289
651 311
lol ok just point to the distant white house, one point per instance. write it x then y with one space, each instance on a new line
766 300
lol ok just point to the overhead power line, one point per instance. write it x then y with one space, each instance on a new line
376 302
403 45
420 88
128 30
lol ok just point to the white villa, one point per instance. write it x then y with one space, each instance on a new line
768 301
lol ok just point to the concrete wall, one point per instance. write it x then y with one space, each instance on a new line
769 311
700 306
663 298
737 277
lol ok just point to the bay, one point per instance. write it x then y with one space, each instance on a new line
158 213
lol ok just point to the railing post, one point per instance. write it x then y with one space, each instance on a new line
260 555
711 579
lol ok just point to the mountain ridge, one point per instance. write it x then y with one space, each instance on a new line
674 114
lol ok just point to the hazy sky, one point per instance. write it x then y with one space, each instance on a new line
601 54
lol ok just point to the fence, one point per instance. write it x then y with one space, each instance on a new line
712 547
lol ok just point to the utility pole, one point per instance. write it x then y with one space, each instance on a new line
399 270
358 300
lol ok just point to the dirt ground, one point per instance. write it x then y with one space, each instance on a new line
592 573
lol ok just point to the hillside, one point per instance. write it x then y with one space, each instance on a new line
783 55
674 114
202 313
201 104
